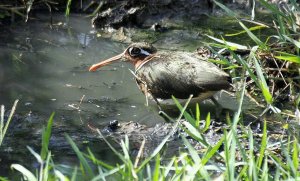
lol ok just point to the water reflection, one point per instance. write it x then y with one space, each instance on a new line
47 70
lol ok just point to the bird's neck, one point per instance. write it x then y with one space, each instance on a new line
141 62
138 63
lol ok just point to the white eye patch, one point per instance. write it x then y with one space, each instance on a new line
145 52
133 51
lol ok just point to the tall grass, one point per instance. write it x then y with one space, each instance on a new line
235 156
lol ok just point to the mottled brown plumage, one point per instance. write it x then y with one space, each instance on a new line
162 74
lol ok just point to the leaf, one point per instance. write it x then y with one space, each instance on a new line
261 79
12 112
67 13
207 123
197 121
252 36
46 135
228 11
288 57
244 31
37 156
295 42
232 46
156 172
263 146
295 153
26 173
212 151
83 161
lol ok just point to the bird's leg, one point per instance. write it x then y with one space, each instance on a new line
158 104
219 108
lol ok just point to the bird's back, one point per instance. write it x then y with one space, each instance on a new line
180 74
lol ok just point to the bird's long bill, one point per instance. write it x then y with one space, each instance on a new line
105 62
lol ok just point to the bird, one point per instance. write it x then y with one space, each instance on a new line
163 74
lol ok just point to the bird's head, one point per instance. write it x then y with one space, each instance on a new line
136 53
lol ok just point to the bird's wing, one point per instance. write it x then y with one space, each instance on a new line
180 75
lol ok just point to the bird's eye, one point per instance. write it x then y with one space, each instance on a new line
134 51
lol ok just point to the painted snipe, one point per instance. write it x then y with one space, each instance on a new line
163 74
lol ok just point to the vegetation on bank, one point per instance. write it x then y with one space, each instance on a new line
271 69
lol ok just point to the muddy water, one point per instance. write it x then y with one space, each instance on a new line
47 70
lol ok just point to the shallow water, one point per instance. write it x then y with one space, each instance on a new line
47 70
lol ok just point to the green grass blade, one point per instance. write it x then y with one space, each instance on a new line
295 156
194 133
187 116
12 112
74 174
252 171
68 7
207 123
197 161
288 57
37 156
232 152
156 172
109 173
230 45
92 157
259 27
292 171
246 66
295 42
265 171
252 36
149 172
1 123
163 142
46 135
169 166
212 151
111 147
227 10
87 169
101 173
261 79
279 163
26 173
47 168
3 179
60 176
263 146
197 123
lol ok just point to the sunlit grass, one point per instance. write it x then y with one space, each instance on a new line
235 156
5 123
